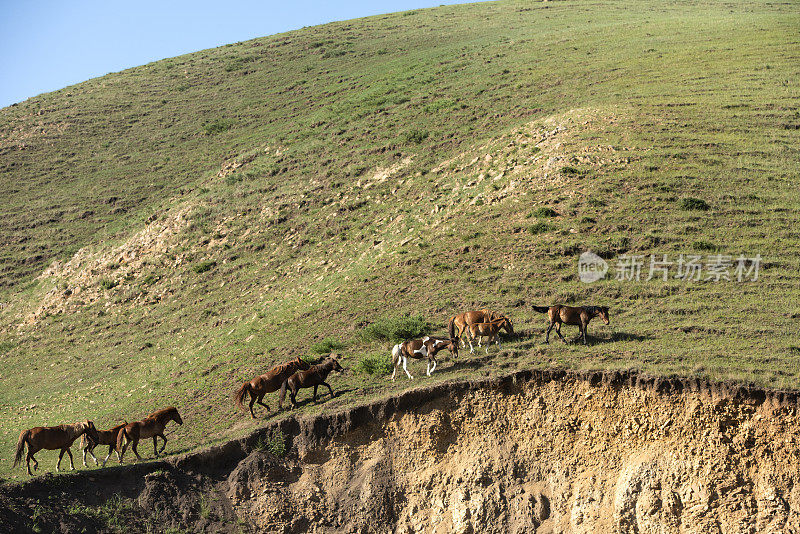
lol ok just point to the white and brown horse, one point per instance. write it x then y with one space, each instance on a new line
51 438
104 437
151 426
457 328
490 330
419 349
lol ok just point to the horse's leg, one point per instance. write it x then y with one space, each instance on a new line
428 368
134 445
583 331
261 401
163 445
28 461
110 449
315 392
432 368
558 331
329 388
282 395
155 445
253 398
405 363
71 463
547 337
90 450
60 455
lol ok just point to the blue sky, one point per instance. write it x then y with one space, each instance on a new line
47 45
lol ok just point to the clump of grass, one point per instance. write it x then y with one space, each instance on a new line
540 228
691 203
106 283
378 364
217 126
569 171
272 441
6 346
542 212
204 266
395 328
326 346
704 245
415 136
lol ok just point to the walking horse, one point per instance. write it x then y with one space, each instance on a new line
314 377
51 438
577 315
489 329
151 426
457 327
104 437
419 349
267 383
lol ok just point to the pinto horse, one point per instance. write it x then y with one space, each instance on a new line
315 376
272 381
51 438
489 329
461 321
151 426
577 315
421 348
104 437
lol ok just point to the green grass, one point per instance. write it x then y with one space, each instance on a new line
382 175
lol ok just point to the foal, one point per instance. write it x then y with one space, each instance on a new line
151 426
315 376
490 329
577 315
104 437
461 321
421 348
51 438
272 381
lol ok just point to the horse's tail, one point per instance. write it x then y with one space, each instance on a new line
396 353
23 438
451 327
240 394
541 309
121 435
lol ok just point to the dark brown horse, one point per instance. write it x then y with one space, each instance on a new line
488 329
457 328
51 438
151 426
577 315
272 381
419 349
104 437
315 376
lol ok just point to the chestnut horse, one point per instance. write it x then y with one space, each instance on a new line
577 315
104 437
462 320
51 438
151 426
489 329
272 381
314 377
421 348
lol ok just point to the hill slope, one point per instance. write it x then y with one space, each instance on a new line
171 230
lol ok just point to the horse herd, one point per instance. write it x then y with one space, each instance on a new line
292 376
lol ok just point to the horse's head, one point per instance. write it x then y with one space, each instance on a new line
336 366
90 431
508 324
452 346
175 415
301 364
603 313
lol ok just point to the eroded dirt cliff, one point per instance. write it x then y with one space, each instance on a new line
541 451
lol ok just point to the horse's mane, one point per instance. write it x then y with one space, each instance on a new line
161 412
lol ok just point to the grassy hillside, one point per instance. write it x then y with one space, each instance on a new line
173 229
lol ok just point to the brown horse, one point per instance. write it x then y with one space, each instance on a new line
104 437
489 329
421 348
577 315
51 438
315 376
272 381
151 426
462 320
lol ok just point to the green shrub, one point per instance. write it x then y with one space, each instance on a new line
219 125
395 329
105 283
415 136
204 266
539 228
704 245
569 171
543 211
272 441
326 346
379 364
691 203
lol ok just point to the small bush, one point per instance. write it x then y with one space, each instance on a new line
539 228
691 203
219 125
378 364
204 266
272 441
415 136
326 346
704 245
105 283
395 329
543 211
569 171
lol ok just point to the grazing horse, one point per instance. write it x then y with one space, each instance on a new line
272 381
104 437
421 348
489 329
462 320
315 376
151 426
51 438
577 315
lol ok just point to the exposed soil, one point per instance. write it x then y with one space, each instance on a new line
536 451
